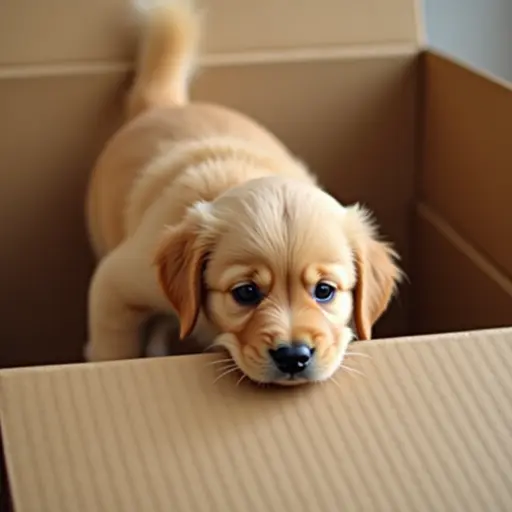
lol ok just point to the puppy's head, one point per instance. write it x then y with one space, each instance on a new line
280 269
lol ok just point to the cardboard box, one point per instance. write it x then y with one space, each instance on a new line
420 138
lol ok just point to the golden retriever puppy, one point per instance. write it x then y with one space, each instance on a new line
197 210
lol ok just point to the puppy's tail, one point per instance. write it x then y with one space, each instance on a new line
167 54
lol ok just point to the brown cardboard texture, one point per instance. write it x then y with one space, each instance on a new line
426 428
416 136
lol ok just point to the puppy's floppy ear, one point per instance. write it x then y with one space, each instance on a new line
179 260
377 272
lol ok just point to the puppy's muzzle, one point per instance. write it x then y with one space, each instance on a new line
293 358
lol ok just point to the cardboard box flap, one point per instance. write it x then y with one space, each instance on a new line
425 427
63 31
467 167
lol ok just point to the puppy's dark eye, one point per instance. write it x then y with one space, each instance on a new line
247 294
324 292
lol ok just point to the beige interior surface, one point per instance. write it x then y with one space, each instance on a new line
353 117
467 174
425 427
53 127
63 31
353 120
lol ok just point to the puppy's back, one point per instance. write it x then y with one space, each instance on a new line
160 125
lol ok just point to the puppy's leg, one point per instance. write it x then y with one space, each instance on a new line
115 319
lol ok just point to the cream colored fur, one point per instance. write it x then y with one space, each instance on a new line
188 200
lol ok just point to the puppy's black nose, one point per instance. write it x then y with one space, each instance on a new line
292 358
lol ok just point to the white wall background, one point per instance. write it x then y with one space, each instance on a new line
477 31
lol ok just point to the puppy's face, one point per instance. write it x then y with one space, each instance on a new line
280 269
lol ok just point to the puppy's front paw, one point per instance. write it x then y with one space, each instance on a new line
95 352
87 352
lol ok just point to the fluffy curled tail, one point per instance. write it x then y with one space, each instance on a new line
167 54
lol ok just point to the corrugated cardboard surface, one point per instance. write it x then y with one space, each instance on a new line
425 427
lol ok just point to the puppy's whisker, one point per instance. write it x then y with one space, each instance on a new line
334 381
220 368
225 367
227 372
357 354
219 361
209 347
240 380
352 371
